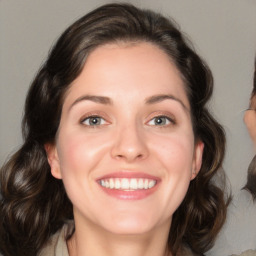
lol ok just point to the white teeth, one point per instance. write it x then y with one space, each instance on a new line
146 184
141 184
133 184
127 184
111 183
117 184
151 184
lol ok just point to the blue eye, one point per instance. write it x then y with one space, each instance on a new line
160 121
94 121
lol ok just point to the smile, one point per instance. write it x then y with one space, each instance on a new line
127 184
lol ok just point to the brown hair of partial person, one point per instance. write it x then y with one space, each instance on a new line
34 204
251 174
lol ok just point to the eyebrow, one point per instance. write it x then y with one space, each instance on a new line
107 101
161 97
97 99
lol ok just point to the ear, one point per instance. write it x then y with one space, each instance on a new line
53 160
197 159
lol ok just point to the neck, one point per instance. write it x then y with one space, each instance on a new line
93 241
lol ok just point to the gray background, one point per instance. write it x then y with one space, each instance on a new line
223 33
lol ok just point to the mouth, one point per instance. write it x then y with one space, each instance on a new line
128 184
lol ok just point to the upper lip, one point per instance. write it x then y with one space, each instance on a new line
129 174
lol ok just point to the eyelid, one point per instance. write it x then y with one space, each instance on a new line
84 122
98 114
168 116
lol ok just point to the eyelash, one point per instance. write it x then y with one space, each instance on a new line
167 119
91 118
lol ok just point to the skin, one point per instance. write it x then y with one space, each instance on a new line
250 119
126 139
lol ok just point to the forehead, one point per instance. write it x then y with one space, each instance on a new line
125 66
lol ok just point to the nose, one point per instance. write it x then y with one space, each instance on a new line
130 145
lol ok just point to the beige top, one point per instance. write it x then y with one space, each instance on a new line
247 253
57 245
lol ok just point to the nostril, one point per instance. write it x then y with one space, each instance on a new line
129 148
129 157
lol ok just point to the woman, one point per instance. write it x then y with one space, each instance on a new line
119 150
250 121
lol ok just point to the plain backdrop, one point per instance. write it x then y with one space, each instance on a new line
223 33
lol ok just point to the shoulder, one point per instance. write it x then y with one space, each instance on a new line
57 245
239 231
246 253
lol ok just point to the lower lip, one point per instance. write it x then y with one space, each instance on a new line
130 194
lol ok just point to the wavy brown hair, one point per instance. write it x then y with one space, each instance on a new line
34 204
251 174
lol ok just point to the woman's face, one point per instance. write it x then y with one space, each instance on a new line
250 119
125 148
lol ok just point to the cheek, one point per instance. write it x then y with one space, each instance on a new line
250 121
80 152
175 156
69 151
77 159
178 160
175 151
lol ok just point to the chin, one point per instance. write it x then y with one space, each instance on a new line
131 225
